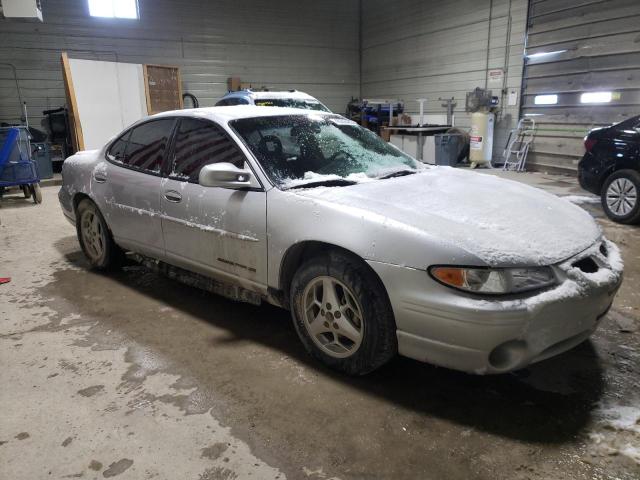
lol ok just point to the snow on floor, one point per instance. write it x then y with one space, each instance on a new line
581 199
617 432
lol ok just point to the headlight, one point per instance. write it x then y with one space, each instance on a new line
494 281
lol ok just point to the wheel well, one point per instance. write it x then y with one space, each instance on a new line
77 198
297 254
605 176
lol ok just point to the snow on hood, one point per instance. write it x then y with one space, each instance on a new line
500 221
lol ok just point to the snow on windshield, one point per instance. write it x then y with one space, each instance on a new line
297 149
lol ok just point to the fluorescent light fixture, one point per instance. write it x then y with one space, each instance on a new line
114 8
596 97
534 114
545 54
546 99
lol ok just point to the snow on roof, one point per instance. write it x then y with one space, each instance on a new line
226 114
273 94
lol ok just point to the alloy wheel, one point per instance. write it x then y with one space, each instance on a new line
333 317
93 235
622 196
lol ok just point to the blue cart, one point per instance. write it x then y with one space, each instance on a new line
17 168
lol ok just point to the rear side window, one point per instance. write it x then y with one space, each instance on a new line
116 152
147 145
199 143
232 101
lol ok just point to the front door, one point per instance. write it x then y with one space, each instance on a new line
132 184
215 231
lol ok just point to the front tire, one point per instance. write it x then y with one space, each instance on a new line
95 238
342 313
621 196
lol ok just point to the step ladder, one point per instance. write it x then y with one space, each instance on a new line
518 143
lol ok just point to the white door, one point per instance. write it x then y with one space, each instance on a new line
132 184
212 230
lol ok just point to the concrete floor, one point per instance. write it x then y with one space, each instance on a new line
133 376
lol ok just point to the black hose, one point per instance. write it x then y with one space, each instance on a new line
194 100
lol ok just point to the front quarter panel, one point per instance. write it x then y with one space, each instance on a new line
292 219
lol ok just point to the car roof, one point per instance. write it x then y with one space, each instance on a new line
226 114
271 94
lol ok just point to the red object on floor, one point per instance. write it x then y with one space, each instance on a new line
5 280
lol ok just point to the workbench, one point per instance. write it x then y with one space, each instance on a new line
413 140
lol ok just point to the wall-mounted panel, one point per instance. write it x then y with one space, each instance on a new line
304 44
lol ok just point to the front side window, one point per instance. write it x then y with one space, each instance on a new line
294 149
147 145
199 143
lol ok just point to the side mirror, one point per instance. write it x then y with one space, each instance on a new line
226 175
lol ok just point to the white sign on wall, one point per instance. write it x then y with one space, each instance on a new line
495 78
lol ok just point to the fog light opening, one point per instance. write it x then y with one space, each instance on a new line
587 265
508 355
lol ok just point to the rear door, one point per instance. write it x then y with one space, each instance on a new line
132 181
627 144
212 230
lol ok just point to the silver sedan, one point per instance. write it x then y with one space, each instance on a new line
374 253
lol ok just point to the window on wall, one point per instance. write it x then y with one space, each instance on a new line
596 97
546 99
114 8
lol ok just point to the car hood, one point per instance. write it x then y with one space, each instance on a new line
501 222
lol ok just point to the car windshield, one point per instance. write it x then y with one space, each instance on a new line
295 150
291 103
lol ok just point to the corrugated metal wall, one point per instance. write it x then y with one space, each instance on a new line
420 48
304 44
598 45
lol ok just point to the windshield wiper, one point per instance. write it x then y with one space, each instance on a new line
400 173
336 182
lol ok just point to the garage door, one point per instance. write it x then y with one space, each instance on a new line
582 70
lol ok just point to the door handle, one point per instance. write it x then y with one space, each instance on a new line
172 196
99 177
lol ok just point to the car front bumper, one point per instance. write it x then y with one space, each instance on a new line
445 327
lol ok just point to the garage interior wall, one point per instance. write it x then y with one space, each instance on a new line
597 49
435 49
308 45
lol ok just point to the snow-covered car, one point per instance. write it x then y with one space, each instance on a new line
373 252
287 98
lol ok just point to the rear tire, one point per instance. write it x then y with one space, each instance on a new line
95 238
342 313
621 196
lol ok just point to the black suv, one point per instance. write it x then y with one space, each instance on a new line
611 168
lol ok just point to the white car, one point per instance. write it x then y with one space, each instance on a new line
374 253
288 98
